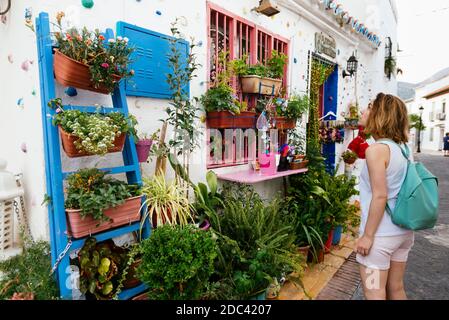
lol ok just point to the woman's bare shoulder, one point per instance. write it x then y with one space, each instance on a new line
377 151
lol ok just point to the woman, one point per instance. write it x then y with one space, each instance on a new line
446 145
383 247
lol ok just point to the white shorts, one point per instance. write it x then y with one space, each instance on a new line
386 249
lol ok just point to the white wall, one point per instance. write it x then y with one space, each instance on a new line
23 125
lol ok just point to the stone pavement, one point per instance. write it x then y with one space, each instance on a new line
427 274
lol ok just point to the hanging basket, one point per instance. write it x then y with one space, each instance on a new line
125 213
68 144
227 120
283 123
72 73
267 86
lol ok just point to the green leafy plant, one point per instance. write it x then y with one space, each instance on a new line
29 273
177 262
276 64
183 111
166 202
416 122
293 108
297 140
92 192
96 132
107 61
319 74
220 98
349 155
390 66
256 245
102 267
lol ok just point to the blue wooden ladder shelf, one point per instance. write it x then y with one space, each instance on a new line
59 239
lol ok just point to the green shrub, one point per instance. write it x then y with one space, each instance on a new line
177 262
29 272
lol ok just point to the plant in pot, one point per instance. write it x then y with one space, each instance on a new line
143 145
84 134
166 202
177 262
256 244
289 111
101 268
390 66
349 157
96 203
259 78
223 108
352 118
84 59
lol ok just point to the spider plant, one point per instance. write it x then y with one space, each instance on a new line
165 202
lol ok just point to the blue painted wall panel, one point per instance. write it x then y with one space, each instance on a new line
150 61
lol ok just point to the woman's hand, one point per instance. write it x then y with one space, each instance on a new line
364 245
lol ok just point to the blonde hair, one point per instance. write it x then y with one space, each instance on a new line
388 118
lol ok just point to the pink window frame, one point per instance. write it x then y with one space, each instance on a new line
253 34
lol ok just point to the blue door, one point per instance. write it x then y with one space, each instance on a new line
330 96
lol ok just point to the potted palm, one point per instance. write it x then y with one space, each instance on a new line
96 203
85 60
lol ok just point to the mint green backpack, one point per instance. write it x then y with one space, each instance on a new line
417 203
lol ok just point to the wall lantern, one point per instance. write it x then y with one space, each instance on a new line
267 7
351 67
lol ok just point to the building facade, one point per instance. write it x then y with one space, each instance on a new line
432 96
232 23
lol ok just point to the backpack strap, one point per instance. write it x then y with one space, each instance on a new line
405 152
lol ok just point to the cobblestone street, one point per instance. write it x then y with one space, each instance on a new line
427 275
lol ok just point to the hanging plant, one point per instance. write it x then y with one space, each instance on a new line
390 66
320 73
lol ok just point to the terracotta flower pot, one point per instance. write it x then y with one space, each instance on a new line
320 257
72 73
131 278
350 161
68 144
154 223
299 165
283 123
125 213
227 120
254 84
304 251
143 148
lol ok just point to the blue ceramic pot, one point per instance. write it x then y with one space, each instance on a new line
337 235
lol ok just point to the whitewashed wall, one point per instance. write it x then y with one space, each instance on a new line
22 125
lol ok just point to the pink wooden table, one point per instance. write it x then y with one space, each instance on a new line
250 176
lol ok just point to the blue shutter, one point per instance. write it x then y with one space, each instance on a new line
150 61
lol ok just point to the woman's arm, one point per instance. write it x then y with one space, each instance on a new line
377 158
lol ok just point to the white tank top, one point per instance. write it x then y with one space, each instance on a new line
395 175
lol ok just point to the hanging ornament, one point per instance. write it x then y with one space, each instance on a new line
29 18
25 65
71 91
20 102
10 58
87 3
23 147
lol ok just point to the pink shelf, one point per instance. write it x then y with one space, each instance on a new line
250 176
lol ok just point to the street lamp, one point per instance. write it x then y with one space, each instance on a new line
419 129
351 67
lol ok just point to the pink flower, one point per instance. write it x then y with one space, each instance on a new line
105 65
58 110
